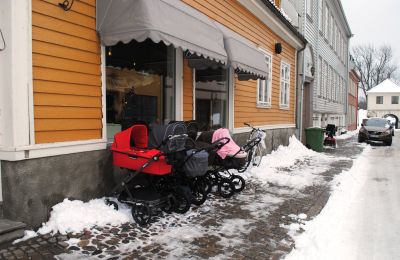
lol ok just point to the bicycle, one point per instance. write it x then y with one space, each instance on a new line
255 147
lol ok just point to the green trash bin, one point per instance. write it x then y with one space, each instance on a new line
315 138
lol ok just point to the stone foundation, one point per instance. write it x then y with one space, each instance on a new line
32 187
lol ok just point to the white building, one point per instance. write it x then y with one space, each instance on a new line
383 101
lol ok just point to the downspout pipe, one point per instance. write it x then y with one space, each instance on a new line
303 76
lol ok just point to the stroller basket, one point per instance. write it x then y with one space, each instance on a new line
138 156
196 163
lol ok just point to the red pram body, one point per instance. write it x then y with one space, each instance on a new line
130 152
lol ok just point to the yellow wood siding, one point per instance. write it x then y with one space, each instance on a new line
187 91
237 18
66 72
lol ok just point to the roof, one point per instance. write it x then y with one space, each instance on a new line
387 86
284 20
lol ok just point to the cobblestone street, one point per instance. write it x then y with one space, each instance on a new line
250 225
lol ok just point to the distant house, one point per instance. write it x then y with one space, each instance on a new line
383 101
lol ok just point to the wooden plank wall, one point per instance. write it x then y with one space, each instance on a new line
237 18
187 91
66 72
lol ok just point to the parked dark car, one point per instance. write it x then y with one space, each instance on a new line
376 130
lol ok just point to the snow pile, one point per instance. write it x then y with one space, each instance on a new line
28 234
283 166
316 242
74 216
347 135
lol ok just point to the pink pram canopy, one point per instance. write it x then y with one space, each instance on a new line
230 148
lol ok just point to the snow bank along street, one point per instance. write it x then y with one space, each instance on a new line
361 219
291 186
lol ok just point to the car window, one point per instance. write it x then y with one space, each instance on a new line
376 122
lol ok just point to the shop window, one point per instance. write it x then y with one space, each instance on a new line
139 84
284 85
379 100
211 98
264 85
395 99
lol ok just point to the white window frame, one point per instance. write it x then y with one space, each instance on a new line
319 89
320 16
284 80
326 21
309 8
265 84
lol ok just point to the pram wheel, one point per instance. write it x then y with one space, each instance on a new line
168 206
226 188
204 184
199 196
182 203
141 214
111 203
238 183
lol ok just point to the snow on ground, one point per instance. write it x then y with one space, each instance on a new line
293 167
285 166
316 241
347 135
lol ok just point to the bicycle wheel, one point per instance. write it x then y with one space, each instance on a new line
257 156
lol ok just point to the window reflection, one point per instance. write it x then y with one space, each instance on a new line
211 91
140 84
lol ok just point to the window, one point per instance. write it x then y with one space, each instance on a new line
326 22
326 85
211 98
395 99
320 16
309 8
285 85
379 100
331 30
139 86
334 87
334 31
319 89
265 86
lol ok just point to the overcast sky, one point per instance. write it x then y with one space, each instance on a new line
375 22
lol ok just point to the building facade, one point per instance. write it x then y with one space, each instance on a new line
325 80
352 108
383 101
71 78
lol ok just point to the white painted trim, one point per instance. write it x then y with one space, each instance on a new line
52 149
263 127
231 98
1 186
194 94
266 104
272 21
30 78
178 84
284 106
103 92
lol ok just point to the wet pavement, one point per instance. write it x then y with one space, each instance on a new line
254 224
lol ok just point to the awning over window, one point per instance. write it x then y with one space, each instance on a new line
169 21
243 55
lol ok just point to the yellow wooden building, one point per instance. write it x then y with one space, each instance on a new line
72 76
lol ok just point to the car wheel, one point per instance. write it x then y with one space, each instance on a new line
389 143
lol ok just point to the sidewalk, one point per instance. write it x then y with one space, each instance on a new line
251 225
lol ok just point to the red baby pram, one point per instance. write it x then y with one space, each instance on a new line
130 152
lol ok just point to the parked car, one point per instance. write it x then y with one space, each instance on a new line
376 130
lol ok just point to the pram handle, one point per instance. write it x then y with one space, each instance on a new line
219 143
